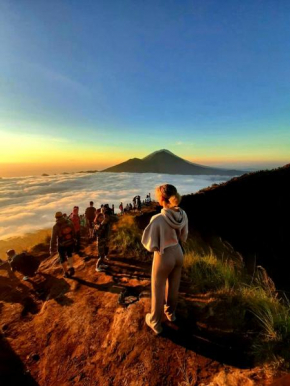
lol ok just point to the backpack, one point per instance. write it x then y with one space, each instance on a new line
66 234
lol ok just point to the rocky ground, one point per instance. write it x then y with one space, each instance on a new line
90 330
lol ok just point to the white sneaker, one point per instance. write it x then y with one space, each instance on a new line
100 269
157 330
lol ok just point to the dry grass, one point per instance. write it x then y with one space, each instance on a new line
188 379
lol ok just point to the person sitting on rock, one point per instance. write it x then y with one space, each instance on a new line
163 236
26 264
62 241
103 230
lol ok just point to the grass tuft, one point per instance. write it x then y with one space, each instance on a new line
262 314
209 273
273 339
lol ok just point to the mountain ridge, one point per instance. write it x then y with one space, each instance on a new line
164 161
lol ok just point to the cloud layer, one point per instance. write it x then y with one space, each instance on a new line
29 203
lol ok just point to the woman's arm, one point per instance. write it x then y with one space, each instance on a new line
151 237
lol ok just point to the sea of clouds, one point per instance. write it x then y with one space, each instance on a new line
29 203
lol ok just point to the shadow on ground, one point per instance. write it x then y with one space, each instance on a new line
12 370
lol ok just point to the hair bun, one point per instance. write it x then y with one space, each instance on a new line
175 199
169 194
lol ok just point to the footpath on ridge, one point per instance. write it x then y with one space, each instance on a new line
90 330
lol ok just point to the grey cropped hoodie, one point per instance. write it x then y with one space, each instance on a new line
165 230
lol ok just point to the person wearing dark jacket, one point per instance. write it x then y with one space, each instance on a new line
138 202
103 226
90 214
62 241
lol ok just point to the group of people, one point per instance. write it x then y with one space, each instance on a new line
164 236
66 232
66 235
136 204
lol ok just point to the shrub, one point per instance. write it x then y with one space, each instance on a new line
126 238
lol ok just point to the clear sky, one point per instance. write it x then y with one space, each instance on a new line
88 84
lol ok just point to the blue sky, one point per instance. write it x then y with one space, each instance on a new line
209 80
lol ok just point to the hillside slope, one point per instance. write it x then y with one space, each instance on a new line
252 213
58 331
163 161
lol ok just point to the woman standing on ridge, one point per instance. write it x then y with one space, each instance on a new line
162 237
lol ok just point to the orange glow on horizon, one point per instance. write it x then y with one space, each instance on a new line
18 169
25 169
229 159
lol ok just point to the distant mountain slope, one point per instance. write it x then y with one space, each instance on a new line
163 161
252 212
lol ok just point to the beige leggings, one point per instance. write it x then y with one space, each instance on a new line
165 280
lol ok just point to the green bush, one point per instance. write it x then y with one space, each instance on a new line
126 238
